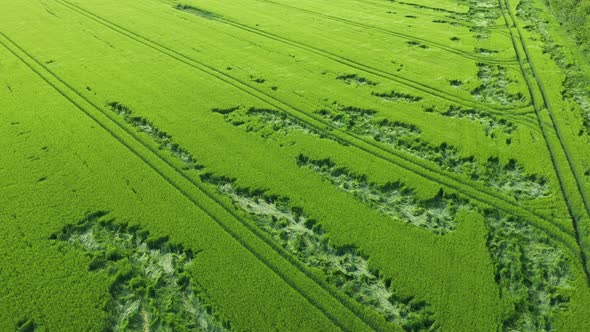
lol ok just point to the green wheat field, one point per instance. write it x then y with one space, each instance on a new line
309 165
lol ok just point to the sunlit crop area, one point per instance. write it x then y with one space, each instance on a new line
310 165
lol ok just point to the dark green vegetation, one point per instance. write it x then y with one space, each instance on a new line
494 88
490 122
575 15
534 275
359 165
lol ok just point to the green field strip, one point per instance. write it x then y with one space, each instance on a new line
568 60
300 281
456 17
393 33
359 66
432 91
396 18
452 16
266 87
413 77
555 123
547 106
559 153
431 172
384 44
492 109
216 17
450 6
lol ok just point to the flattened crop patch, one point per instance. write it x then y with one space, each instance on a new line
510 178
344 267
393 199
151 287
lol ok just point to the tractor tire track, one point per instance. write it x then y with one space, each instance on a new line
397 34
479 193
549 108
539 106
227 228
